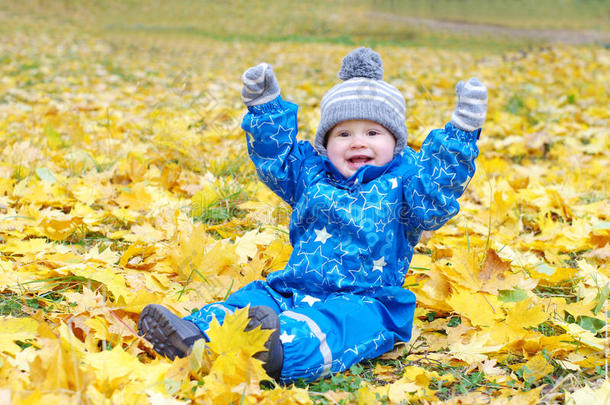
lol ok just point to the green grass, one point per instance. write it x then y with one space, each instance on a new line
345 22
12 305
22 305
524 14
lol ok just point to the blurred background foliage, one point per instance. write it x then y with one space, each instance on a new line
462 24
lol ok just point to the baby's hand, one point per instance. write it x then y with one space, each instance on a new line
469 114
260 85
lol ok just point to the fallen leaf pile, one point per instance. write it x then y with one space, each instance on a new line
124 181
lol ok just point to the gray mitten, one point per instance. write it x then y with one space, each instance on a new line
469 114
260 85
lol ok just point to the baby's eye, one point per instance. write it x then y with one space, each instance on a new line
372 132
343 134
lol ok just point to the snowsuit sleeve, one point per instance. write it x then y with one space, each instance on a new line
443 169
271 130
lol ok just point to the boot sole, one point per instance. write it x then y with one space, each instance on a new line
167 332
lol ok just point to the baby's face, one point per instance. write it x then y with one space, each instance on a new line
355 143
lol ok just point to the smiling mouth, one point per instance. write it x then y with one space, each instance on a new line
358 161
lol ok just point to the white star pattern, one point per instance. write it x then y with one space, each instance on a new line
444 156
310 300
353 350
282 136
333 270
322 235
311 262
326 193
379 338
286 338
346 206
394 182
418 198
378 264
373 198
339 253
355 228
257 121
379 226
377 282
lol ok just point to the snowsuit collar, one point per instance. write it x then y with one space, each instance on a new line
363 175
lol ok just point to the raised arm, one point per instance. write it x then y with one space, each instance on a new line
445 163
271 128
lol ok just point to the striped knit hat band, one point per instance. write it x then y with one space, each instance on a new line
362 96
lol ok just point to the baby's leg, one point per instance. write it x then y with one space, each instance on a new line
253 294
264 305
328 336
173 336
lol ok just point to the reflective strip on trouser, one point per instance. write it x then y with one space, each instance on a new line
327 356
331 335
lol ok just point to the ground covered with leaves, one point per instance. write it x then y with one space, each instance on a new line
124 181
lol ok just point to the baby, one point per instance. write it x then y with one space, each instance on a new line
361 199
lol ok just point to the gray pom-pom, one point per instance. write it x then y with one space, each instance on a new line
362 62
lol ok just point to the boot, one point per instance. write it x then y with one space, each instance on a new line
170 335
273 357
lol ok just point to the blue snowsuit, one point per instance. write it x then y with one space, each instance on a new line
340 297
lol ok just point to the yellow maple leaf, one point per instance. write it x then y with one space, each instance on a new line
204 198
107 256
12 329
279 251
136 167
434 290
482 309
137 197
535 368
475 351
234 374
29 246
589 395
525 314
115 367
504 198
407 390
59 226
366 395
137 249
170 174
85 193
57 364
281 395
463 269
230 336
246 246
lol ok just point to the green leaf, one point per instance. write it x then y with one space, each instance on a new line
53 138
356 369
544 268
515 295
514 105
590 324
602 296
45 174
601 226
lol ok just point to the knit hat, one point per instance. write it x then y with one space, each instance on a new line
363 95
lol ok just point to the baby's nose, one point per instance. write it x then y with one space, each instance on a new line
358 141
